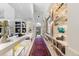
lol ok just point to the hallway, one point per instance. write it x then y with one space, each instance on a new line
39 48
39 29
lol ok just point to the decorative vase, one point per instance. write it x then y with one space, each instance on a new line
61 30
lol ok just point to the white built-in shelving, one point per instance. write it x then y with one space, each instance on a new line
20 27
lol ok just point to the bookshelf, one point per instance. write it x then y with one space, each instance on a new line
60 20
20 27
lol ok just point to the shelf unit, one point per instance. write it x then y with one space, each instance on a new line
1 28
4 27
20 27
59 17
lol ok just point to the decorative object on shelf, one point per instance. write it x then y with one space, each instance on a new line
17 30
23 30
60 38
62 48
61 29
56 22
60 20
23 24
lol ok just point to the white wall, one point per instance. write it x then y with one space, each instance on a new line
73 26
24 10
8 10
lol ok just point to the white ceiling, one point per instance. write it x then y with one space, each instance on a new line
41 7
27 10
22 10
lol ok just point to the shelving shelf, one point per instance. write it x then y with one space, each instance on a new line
63 43
58 50
59 13
20 27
